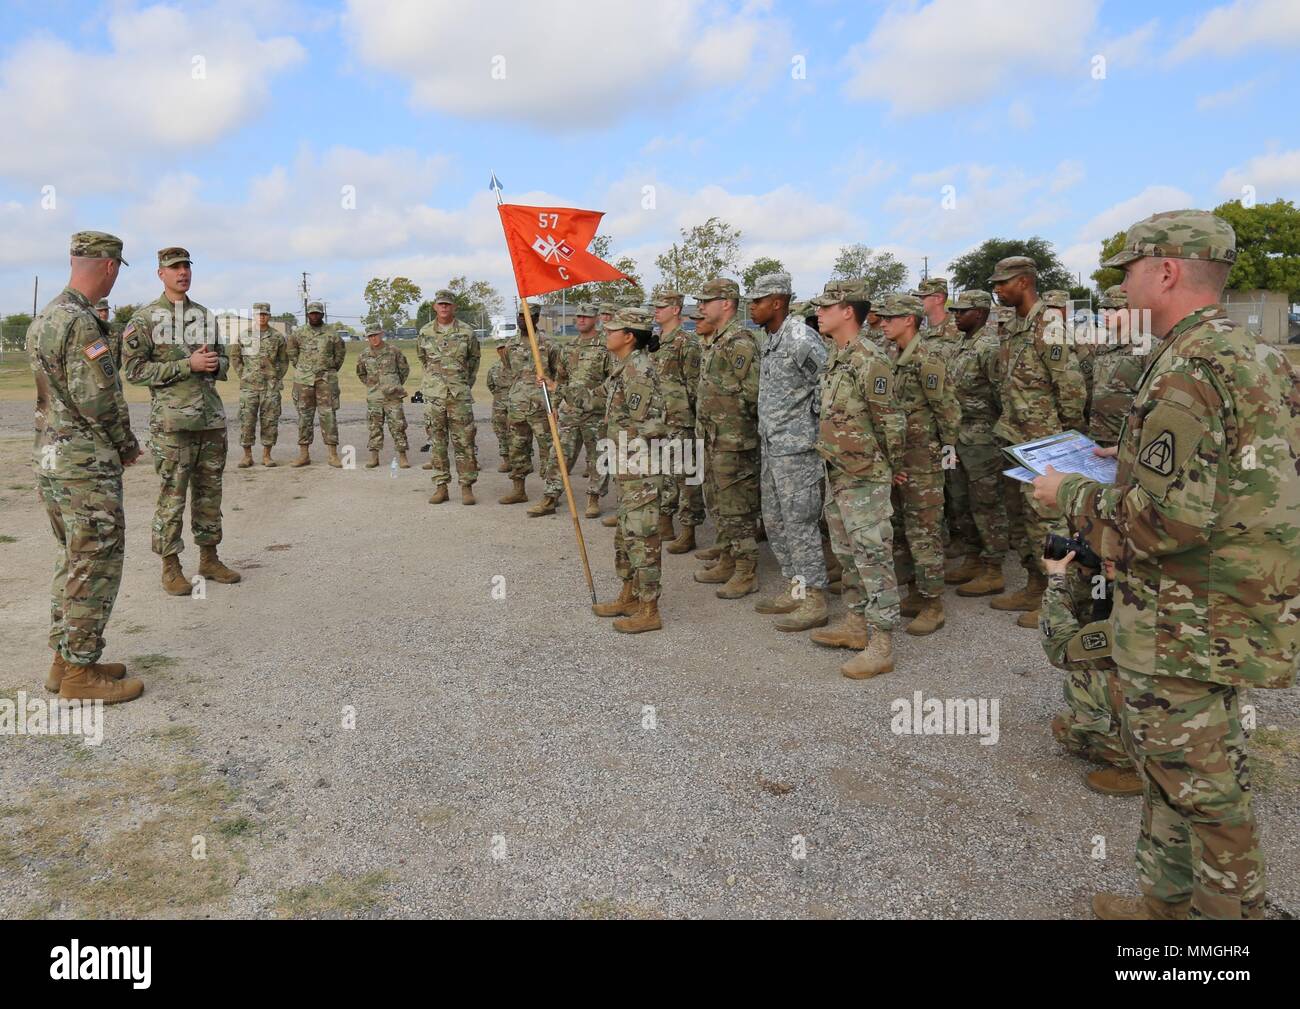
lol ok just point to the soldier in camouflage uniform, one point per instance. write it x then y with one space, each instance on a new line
527 414
922 390
1042 393
872 333
678 363
316 354
939 331
1205 504
1117 366
171 346
498 383
449 353
584 366
635 411
383 370
82 442
604 313
861 438
261 369
792 359
975 490
726 417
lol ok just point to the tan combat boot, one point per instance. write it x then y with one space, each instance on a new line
546 506
467 494
912 602
402 462
304 456
779 602
718 572
593 507
247 461
684 543
429 465
502 467
609 521
1028 619
988 582
88 683
666 531
174 582
1114 781
59 666
624 606
1027 598
646 618
709 553
439 494
373 461
876 658
266 457
743 581
517 496
1116 907
850 631
963 572
210 566
929 619
332 454
811 613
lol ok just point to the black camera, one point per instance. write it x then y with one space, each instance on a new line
1056 547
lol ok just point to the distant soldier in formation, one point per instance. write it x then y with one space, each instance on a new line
678 363
584 367
726 417
873 333
939 331
316 354
527 414
1118 362
171 345
449 353
498 384
383 370
261 369
83 442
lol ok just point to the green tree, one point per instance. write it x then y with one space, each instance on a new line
387 301
476 302
122 314
707 250
288 318
882 271
760 267
1268 246
1109 276
620 292
972 271
13 330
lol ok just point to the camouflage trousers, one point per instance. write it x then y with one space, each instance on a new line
858 519
582 433
501 428
392 414
323 395
89 529
792 503
190 463
731 493
254 405
636 541
451 419
1090 728
683 493
524 427
1198 838
973 496
918 536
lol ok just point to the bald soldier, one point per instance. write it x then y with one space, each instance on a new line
316 354
172 347
449 352
261 367
83 441
1206 511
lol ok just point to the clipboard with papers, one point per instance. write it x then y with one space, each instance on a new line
1067 452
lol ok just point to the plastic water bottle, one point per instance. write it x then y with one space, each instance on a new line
392 468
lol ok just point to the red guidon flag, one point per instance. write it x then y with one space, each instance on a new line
548 247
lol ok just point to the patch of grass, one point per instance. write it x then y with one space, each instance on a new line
336 896
175 734
8 539
153 662
607 908
1275 760
238 827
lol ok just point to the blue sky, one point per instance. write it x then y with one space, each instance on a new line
233 129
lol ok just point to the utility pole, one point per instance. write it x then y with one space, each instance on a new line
925 267
304 295
36 286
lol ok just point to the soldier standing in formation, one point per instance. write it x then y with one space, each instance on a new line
498 384
83 442
527 408
678 362
383 370
261 369
1116 368
584 366
1205 505
316 354
191 441
792 360
449 353
726 417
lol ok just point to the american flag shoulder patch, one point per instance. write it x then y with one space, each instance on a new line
96 350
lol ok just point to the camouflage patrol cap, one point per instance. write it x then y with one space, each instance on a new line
534 310
972 299
96 245
315 306
769 284
1056 299
900 304
668 299
718 287
932 285
375 330
636 319
101 303
587 309
840 292
1179 234
444 297
1114 297
608 308
260 307
173 255
1012 267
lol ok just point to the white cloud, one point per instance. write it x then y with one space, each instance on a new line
1020 115
949 53
1129 50
1240 26
67 114
1068 174
509 62
1272 175
1223 99
1150 201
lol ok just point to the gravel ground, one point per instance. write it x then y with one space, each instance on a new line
499 765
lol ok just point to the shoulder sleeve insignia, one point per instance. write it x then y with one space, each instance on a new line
96 349
932 381
1090 643
1159 454
1056 353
